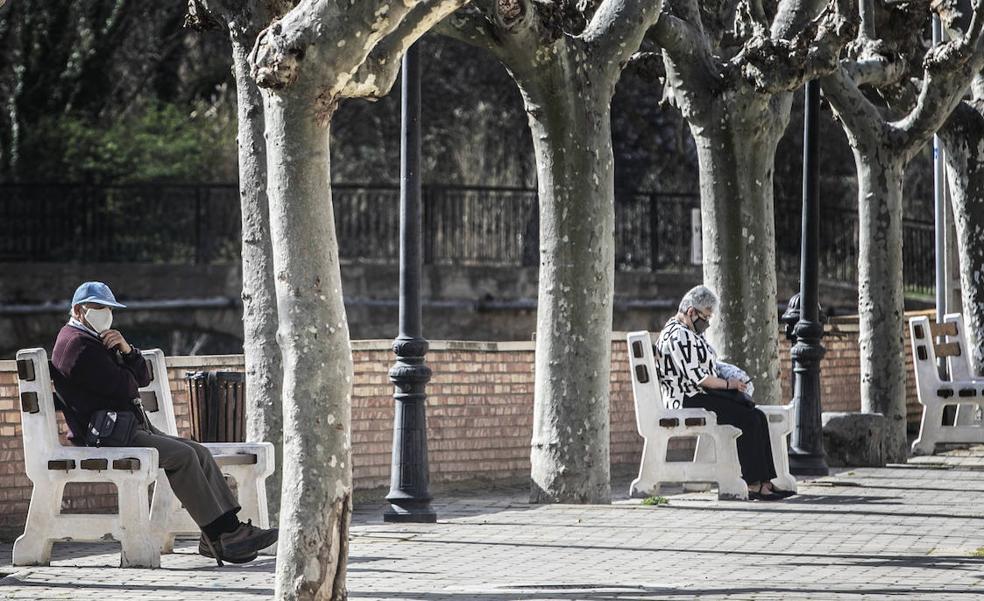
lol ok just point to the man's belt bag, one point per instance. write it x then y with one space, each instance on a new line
111 428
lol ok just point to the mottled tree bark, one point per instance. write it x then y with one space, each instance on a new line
733 81
264 369
882 149
566 59
320 53
317 491
963 138
575 180
881 302
737 160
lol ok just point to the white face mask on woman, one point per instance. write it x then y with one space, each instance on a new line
99 319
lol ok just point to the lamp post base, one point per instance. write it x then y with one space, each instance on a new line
807 464
418 512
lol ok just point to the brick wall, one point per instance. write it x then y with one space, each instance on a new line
479 413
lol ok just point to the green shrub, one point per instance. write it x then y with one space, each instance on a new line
160 143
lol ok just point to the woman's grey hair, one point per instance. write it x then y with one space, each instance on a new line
701 298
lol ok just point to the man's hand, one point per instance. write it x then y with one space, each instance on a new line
113 339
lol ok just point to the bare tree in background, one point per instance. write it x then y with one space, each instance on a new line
566 57
317 55
731 68
264 367
891 96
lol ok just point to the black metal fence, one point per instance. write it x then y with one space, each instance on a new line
461 225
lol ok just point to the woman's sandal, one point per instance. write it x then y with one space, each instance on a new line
764 496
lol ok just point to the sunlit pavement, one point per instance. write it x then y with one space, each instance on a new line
899 532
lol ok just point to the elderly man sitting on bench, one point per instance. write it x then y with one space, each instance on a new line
97 374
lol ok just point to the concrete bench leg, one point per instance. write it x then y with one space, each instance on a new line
33 548
929 430
653 453
732 488
251 490
163 504
140 545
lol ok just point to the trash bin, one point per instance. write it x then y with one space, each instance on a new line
218 406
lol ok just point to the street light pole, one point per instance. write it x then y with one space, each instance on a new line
806 456
409 497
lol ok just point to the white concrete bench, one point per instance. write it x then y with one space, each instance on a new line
654 419
51 466
963 390
247 463
716 457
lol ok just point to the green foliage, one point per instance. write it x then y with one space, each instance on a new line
979 552
655 501
160 143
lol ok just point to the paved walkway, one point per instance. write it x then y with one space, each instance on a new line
900 532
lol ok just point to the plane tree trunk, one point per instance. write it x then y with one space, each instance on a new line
566 58
317 55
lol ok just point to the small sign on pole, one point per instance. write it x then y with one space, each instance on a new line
696 241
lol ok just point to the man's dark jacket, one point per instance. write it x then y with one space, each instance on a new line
89 377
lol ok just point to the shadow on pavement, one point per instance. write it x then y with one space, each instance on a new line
612 593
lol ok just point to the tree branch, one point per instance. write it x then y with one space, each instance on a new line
331 38
685 45
861 118
877 71
378 73
777 65
471 25
948 70
794 16
616 31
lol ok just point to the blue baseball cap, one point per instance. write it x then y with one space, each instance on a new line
95 292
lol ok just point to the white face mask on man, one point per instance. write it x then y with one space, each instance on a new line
99 319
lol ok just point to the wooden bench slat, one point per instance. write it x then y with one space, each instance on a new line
95 464
943 329
669 422
948 349
127 463
61 464
235 459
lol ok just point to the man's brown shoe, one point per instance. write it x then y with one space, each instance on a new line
239 546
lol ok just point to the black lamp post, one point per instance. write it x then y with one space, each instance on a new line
806 456
409 497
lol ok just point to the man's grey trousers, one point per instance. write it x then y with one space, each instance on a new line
194 476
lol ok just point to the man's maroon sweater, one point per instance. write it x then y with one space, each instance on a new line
89 377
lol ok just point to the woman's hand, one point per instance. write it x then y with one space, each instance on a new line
736 384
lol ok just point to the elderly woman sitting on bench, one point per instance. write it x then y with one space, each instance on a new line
689 378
